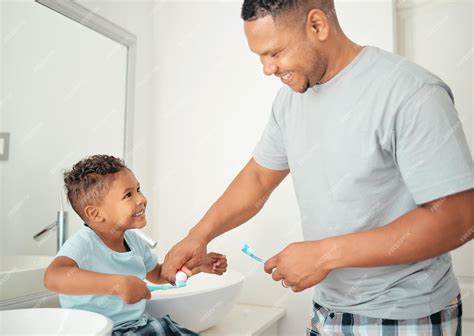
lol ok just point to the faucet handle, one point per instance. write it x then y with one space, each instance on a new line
50 227
60 225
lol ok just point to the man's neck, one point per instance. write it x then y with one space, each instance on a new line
344 53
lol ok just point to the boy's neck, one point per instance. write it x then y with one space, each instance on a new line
114 239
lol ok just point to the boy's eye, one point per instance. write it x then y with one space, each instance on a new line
138 189
129 194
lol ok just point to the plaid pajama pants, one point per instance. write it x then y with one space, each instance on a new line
164 326
446 322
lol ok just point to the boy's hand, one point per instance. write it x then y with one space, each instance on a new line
214 263
132 289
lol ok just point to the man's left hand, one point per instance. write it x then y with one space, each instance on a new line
300 265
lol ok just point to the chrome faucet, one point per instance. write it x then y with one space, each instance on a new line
60 225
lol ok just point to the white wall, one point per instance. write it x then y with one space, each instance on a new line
137 18
212 102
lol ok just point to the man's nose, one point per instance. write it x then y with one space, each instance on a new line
269 68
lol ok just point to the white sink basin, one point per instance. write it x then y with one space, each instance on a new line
22 275
204 302
53 321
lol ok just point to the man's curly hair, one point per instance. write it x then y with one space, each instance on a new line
256 9
89 180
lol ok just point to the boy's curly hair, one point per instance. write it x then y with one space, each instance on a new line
89 180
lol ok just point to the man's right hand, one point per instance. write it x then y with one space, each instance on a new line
189 252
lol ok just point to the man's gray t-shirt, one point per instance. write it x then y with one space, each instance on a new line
373 143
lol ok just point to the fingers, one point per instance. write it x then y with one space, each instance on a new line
192 264
270 264
219 262
220 266
220 270
217 258
187 271
170 266
277 276
146 291
215 255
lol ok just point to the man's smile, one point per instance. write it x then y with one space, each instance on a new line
286 78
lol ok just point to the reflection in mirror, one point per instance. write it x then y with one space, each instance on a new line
65 93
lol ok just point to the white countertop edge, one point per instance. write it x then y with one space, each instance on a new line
271 315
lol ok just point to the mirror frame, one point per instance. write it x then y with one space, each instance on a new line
101 25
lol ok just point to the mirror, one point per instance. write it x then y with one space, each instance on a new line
66 91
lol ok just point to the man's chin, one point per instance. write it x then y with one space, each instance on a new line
300 89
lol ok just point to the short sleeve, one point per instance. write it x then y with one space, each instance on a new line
149 258
78 248
270 151
430 147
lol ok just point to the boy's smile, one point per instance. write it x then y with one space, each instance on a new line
121 209
124 205
139 214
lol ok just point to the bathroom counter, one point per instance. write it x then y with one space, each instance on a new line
248 320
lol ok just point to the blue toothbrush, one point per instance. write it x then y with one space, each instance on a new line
251 253
166 286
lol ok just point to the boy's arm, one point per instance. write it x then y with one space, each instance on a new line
65 277
155 275
215 263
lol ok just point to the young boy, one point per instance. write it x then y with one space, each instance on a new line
101 268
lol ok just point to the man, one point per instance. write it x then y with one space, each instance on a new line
382 173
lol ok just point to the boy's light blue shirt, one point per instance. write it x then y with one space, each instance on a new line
368 146
90 253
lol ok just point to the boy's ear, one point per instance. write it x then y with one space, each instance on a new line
93 214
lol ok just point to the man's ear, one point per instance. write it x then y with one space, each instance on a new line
318 24
93 214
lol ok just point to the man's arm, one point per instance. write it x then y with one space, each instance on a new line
242 200
425 232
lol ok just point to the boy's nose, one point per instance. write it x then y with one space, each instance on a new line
141 199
